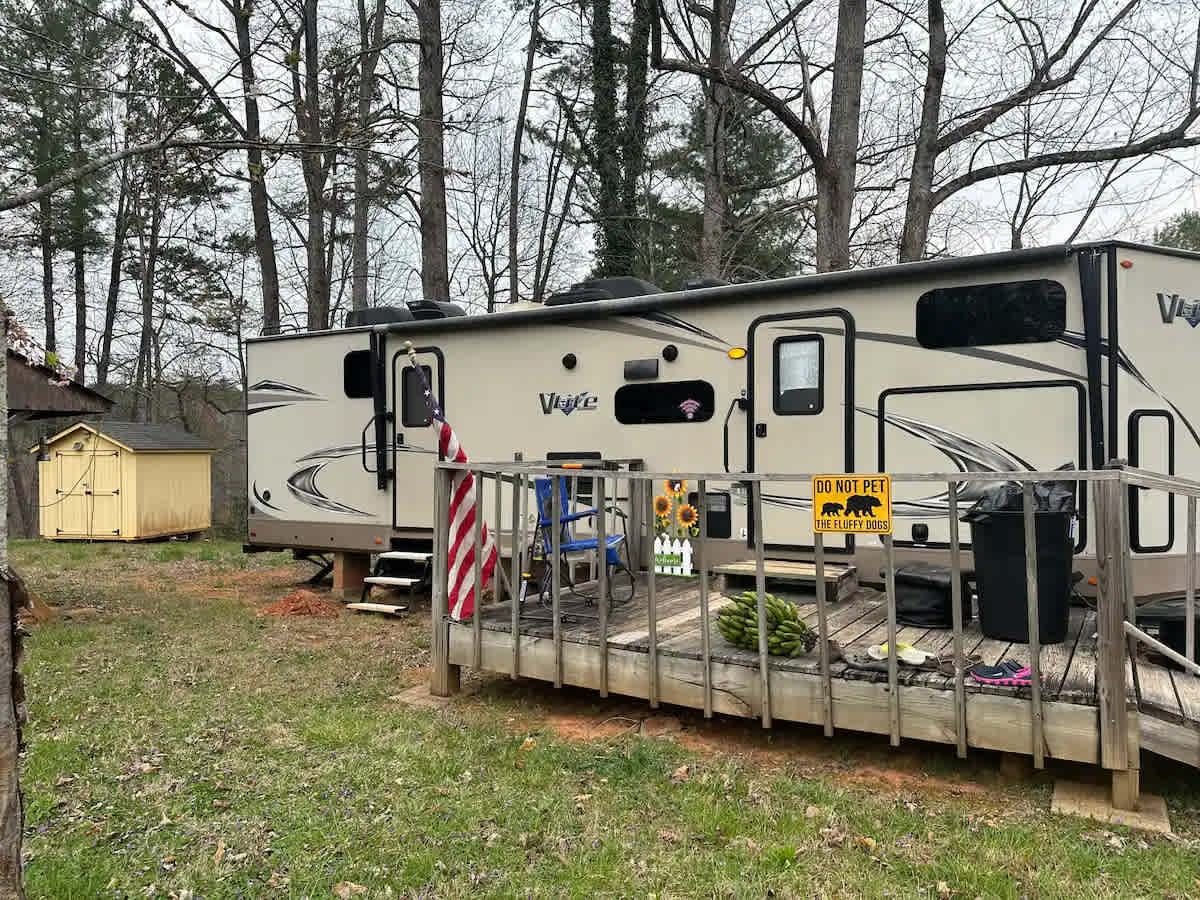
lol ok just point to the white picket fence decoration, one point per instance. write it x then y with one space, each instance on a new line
672 556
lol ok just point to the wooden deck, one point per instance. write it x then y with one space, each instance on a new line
997 718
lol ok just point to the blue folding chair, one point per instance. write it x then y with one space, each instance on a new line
620 576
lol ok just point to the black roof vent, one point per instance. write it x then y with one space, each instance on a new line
378 315
603 289
434 309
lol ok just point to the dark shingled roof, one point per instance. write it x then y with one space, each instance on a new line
144 436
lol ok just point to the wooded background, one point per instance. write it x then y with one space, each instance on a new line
180 176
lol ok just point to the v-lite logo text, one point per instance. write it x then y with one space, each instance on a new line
568 403
1173 307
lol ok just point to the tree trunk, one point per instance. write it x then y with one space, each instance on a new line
919 208
79 227
46 241
370 40
514 185
143 379
120 229
264 240
314 175
835 186
12 817
634 133
716 106
611 258
435 269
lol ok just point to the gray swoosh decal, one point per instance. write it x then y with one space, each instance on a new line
303 485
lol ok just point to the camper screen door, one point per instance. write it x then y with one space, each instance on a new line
852 504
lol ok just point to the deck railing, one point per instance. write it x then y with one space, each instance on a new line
627 483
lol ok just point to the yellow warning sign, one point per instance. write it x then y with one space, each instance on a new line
852 504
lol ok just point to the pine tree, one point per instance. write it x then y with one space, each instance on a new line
764 225
56 55
1181 231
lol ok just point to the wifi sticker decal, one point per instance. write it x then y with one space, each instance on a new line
689 408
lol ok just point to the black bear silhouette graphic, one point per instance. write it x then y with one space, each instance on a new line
862 503
831 509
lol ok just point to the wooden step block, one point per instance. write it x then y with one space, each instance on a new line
411 555
841 581
385 608
391 581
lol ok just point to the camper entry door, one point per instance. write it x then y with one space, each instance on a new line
801 417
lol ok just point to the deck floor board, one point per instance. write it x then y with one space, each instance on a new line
856 623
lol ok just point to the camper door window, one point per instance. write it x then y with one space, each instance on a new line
414 407
1011 312
799 375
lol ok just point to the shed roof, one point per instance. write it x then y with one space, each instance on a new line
141 436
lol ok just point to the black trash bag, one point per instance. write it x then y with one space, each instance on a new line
1048 496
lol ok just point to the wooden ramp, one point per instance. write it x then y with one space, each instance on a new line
997 718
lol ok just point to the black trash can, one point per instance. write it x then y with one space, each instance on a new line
998 543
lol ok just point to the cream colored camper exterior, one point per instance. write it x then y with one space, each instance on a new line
124 481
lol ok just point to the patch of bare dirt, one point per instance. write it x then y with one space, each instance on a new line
302 603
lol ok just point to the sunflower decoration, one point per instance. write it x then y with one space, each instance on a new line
662 511
689 520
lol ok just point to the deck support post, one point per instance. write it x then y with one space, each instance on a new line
893 661
514 584
1033 624
823 630
444 678
760 586
956 598
556 574
601 490
349 570
651 600
1126 783
702 573
1110 631
476 623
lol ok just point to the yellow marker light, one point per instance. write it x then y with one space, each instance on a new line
737 352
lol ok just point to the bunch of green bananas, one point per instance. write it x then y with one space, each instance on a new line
786 634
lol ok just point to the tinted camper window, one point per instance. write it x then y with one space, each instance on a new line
799 375
1013 312
356 373
414 407
664 402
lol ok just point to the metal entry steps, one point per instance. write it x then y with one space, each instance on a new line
405 570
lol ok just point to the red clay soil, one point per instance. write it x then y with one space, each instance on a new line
302 603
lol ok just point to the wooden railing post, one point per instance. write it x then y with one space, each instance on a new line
444 679
1110 616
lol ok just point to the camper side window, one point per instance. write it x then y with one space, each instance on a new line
1012 312
414 406
664 402
799 375
356 374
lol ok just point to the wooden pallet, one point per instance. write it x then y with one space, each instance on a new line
841 581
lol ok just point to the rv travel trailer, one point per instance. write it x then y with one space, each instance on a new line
1021 360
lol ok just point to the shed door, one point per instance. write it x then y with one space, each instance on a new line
74 498
89 500
106 495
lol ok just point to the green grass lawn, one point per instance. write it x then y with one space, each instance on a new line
181 746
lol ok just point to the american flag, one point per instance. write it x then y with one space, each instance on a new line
465 505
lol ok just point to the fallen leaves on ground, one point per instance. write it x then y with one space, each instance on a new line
344 890
528 744
683 773
668 836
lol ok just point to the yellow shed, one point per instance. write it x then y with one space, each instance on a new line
124 481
